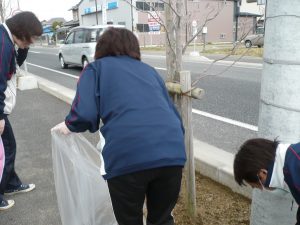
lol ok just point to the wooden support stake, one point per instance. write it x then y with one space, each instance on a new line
186 107
176 88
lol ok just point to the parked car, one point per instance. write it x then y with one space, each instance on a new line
80 44
255 39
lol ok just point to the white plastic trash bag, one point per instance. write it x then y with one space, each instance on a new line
2 158
82 194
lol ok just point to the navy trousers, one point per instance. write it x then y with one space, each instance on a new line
160 187
10 179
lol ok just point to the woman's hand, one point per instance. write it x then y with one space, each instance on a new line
2 125
62 128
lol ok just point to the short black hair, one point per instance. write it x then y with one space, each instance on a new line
253 155
118 41
24 26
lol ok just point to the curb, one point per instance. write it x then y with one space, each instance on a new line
210 161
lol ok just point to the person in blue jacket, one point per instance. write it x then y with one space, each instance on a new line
144 149
266 164
19 32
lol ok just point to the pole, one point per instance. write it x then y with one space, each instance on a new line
104 13
96 12
236 15
186 113
132 28
279 102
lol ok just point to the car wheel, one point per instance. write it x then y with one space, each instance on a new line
259 46
248 44
62 62
85 62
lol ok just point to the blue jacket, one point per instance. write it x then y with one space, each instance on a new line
142 128
291 170
7 66
290 173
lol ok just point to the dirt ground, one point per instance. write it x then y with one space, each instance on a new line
216 205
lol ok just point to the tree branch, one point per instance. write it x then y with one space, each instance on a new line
226 56
201 27
158 21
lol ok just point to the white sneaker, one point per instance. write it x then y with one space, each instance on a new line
23 188
6 204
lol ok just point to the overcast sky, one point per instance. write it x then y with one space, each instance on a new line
46 9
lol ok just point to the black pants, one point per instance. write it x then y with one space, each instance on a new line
10 179
161 188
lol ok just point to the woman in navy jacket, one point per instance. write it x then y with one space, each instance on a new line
144 138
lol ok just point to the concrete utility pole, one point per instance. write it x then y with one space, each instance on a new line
96 12
279 103
104 12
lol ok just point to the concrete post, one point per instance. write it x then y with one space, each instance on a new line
279 104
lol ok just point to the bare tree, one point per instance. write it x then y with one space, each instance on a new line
5 9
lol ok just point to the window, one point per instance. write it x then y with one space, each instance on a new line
222 36
143 6
158 6
70 38
122 23
93 35
142 27
79 36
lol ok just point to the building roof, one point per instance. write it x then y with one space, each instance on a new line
50 22
76 6
247 14
71 23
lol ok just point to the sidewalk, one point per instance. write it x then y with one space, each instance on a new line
35 114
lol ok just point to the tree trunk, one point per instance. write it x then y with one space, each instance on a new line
2 11
170 42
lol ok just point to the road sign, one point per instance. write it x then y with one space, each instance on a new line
194 23
153 21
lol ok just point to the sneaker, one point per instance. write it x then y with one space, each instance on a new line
21 189
6 204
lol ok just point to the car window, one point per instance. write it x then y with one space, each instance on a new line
260 30
79 36
99 32
70 38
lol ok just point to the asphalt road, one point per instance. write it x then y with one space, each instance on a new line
231 94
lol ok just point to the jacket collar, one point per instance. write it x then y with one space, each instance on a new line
275 177
8 32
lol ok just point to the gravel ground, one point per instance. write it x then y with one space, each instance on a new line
216 205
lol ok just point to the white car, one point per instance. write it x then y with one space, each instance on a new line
80 44
255 39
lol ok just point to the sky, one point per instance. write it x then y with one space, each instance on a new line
46 9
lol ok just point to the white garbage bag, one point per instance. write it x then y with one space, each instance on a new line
2 158
82 194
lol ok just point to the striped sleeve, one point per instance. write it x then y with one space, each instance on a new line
6 55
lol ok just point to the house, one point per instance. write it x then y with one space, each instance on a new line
139 16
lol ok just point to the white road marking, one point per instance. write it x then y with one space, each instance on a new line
45 53
160 68
226 120
55 71
34 52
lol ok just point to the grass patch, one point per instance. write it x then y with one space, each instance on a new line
155 48
258 52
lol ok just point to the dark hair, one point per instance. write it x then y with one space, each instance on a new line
118 41
24 26
253 155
